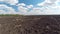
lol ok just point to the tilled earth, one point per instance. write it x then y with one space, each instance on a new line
29 24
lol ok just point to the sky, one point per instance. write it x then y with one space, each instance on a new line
28 2
30 7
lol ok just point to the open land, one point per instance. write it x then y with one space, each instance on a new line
30 24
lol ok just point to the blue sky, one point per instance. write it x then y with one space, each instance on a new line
28 2
30 7
14 6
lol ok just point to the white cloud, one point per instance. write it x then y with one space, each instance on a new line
9 10
21 4
12 2
29 6
42 11
47 2
22 10
49 7
35 11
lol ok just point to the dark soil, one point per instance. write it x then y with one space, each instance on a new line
29 24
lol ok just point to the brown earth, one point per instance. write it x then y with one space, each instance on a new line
29 24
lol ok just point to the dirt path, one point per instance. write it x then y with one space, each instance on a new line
29 24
